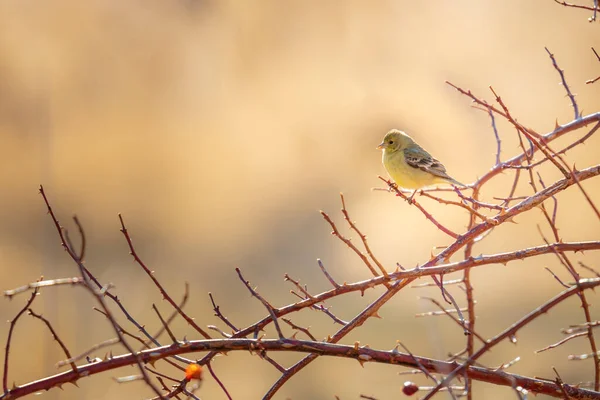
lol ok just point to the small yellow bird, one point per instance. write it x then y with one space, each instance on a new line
409 165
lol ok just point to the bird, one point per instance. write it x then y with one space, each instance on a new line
411 166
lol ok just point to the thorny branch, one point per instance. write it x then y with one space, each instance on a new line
572 5
362 354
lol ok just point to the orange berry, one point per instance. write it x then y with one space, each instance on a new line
193 371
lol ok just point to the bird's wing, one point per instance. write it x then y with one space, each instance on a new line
417 157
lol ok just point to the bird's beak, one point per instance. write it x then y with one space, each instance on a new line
381 146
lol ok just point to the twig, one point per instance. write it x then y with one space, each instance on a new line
322 308
594 9
40 284
329 278
442 228
174 314
158 374
456 203
348 243
560 383
488 107
95 347
216 378
452 317
470 327
445 283
218 313
564 82
13 322
54 336
533 139
589 81
299 328
496 135
303 290
265 303
478 203
592 270
556 277
580 327
552 346
163 292
362 236
165 324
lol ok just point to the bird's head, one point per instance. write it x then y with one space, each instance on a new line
394 140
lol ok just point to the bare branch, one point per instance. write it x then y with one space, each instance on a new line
13 323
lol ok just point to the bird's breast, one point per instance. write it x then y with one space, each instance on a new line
403 174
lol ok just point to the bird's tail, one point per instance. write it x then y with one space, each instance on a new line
455 182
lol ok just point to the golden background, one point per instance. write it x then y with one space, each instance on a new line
219 128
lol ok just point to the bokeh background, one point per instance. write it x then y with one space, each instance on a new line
219 128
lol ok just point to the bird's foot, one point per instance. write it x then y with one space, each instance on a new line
412 196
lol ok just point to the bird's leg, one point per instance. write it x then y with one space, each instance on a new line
410 199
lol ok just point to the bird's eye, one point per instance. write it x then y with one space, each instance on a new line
391 142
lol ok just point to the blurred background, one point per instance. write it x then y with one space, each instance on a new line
220 128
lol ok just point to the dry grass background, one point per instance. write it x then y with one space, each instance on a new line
218 128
